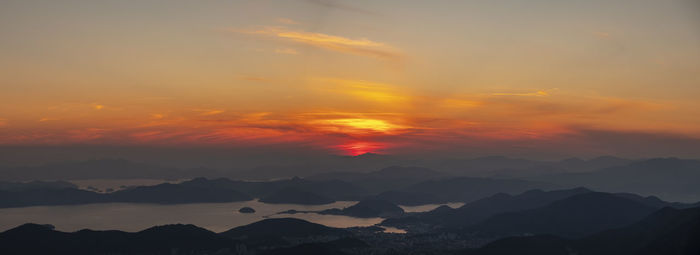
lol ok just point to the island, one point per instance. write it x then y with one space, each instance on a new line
246 210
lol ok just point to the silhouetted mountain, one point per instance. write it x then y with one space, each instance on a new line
385 179
168 193
285 228
101 169
296 196
666 231
246 210
368 209
326 248
575 216
50 196
334 189
668 178
483 208
162 194
408 198
468 189
41 239
20 186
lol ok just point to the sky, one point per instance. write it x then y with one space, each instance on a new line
407 77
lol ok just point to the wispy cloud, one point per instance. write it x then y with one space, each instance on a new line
601 34
287 51
332 4
287 21
45 119
210 112
540 93
253 78
361 46
3 122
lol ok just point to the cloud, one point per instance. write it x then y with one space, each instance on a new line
540 93
362 46
331 4
253 78
44 119
287 51
287 21
365 90
210 112
3 122
601 34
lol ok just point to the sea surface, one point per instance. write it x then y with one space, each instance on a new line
217 217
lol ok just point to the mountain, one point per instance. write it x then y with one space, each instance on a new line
296 196
161 194
368 209
481 209
408 198
468 189
575 216
168 193
42 239
48 196
284 228
666 231
101 169
385 179
33 185
325 248
668 178
334 189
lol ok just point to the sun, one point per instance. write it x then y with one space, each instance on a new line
359 148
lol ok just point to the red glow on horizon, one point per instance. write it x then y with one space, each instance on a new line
359 148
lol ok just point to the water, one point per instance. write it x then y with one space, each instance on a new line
217 217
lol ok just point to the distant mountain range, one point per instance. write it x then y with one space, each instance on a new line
535 210
668 178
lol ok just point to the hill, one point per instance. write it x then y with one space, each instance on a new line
575 216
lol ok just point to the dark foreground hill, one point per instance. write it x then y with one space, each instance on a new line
42 239
668 231
575 216
481 209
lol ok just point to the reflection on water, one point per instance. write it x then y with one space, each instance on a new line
393 230
430 207
216 217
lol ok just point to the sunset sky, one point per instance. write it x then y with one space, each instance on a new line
349 77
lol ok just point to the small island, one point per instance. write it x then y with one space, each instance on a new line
364 209
368 209
246 210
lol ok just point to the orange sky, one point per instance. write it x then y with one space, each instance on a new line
349 77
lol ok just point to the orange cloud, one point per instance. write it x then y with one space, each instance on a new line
362 46
210 112
287 21
287 51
